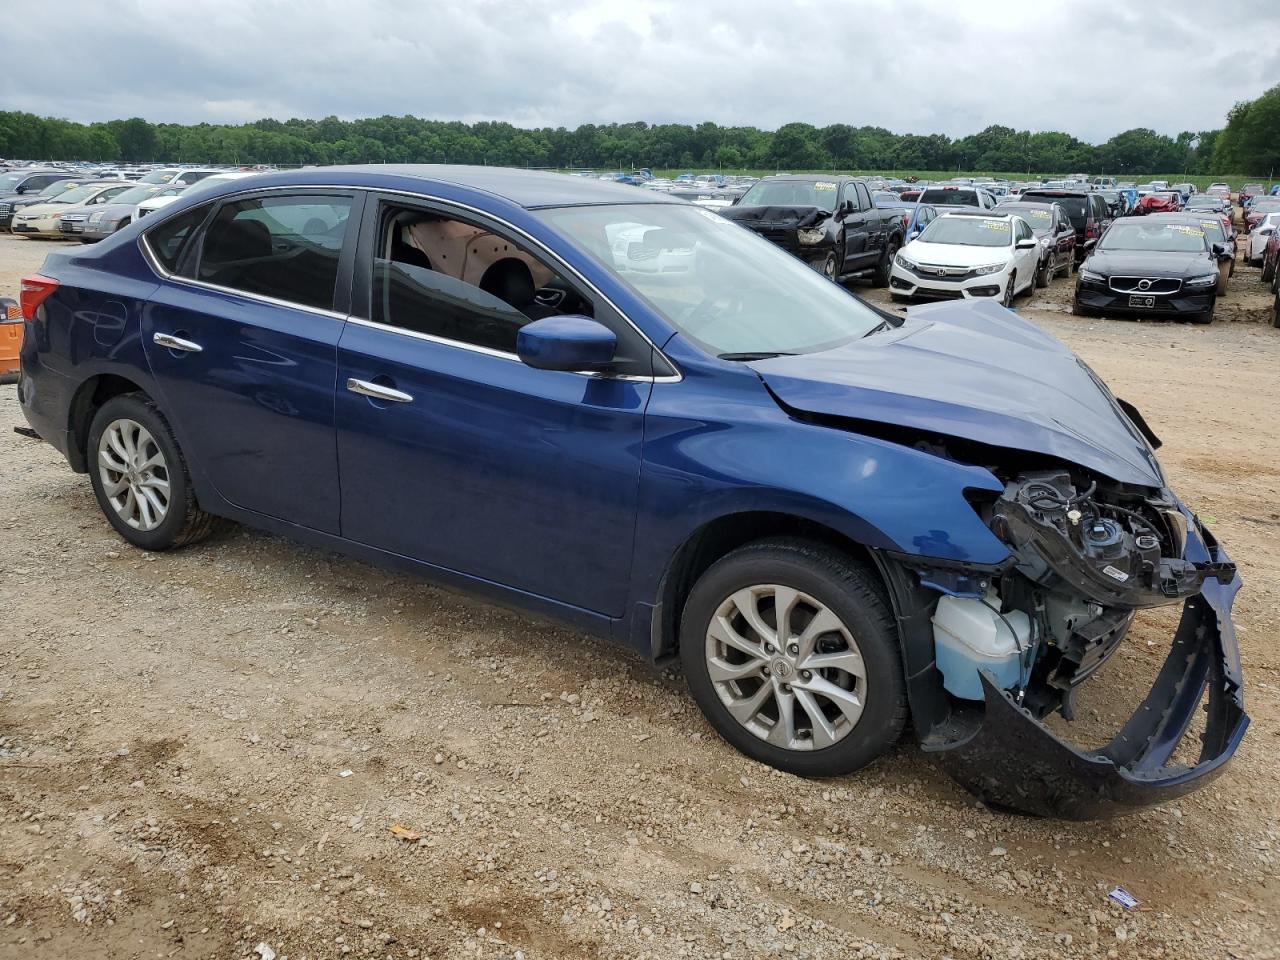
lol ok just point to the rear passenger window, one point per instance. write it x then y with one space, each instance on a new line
286 248
168 241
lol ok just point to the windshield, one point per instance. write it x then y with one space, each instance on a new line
950 198
139 193
159 176
1266 204
78 194
1073 204
59 186
792 193
1157 237
1040 219
968 231
723 287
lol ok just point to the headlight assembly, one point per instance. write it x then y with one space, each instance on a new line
809 237
1208 280
1091 277
989 268
903 262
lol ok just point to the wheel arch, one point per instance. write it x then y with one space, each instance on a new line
88 399
718 537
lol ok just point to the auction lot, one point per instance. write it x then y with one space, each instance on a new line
176 733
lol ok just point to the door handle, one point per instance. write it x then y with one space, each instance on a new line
378 391
176 343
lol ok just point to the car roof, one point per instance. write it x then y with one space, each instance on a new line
531 189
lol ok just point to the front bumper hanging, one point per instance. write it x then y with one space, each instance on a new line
1013 760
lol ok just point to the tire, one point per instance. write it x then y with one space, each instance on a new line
830 268
1275 312
885 266
139 507
1205 318
1268 269
1043 274
1079 310
853 730
1007 299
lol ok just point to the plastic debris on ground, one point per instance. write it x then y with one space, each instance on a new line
1123 897
400 831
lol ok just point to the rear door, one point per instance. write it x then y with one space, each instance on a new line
242 338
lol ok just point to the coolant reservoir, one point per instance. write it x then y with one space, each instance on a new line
969 636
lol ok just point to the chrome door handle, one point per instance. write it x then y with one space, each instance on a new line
176 343
378 391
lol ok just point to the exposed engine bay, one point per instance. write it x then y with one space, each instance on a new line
1088 554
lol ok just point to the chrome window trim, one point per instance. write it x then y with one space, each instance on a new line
155 266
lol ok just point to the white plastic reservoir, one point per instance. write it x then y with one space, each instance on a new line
970 636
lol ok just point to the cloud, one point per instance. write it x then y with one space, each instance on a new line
1089 67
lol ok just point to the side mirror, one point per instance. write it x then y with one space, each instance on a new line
1025 244
566 343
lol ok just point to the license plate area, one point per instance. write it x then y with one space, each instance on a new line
1136 301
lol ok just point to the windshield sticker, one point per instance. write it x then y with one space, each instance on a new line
995 224
1039 214
1207 224
823 185
1189 231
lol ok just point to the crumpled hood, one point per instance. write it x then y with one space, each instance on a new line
974 370
1146 263
801 217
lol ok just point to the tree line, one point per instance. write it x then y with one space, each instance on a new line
1248 144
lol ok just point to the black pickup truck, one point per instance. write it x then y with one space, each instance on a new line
829 222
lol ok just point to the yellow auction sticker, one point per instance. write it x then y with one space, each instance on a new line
823 185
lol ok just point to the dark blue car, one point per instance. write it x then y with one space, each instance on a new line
622 410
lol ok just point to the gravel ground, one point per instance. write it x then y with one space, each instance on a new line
208 750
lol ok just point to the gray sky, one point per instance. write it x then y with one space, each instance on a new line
1089 67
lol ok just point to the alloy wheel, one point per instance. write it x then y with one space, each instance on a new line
134 474
786 667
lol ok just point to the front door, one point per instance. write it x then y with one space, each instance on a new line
242 344
856 224
455 453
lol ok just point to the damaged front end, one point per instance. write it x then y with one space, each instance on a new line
1011 645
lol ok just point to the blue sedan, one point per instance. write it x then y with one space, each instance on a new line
622 410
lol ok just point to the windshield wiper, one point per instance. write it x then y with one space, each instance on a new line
754 355
880 328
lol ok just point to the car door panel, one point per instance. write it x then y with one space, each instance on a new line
246 378
523 477
253 405
855 226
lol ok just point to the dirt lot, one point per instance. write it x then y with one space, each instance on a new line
204 751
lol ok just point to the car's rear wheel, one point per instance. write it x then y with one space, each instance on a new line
1044 273
791 652
1268 269
140 477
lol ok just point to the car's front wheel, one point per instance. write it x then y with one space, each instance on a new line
140 477
791 652
1007 299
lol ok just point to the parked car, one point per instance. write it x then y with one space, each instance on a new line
1258 209
1220 190
1054 232
1270 256
42 221
1208 201
1088 211
17 186
1249 191
19 202
1259 237
1185 190
829 222
161 200
676 469
1159 201
100 222
989 253
1150 266
1117 203
952 195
